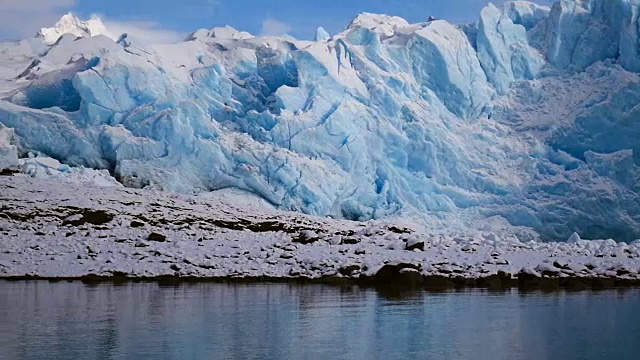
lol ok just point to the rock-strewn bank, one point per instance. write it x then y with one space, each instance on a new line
61 231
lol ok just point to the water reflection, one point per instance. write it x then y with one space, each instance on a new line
215 321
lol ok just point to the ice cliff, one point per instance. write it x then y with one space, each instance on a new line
531 114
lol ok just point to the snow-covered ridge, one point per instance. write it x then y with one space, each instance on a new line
71 24
528 115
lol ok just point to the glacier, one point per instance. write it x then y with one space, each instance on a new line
530 114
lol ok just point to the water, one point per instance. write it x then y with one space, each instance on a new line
41 320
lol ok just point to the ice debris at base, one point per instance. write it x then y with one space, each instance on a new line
8 149
528 115
48 230
42 167
51 169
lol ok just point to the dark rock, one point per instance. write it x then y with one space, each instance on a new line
157 237
231 225
528 281
410 278
175 267
438 283
575 284
550 284
623 271
546 271
349 270
498 281
561 266
399 230
136 224
386 274
350 240
92 250
414 244
404 276
8 172
294 272
602 283
305 238
550 273
525 278
94 217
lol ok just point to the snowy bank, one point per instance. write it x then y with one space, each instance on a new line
51 229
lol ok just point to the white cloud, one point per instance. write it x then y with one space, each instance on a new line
274 27
23 18
146 32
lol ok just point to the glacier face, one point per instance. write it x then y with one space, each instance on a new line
529 114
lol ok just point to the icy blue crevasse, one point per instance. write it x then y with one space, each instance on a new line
385 117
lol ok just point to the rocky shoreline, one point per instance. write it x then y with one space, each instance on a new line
397 281
57 231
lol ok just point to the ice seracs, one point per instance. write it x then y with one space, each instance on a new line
574 238
525 13
504 51
40 167
385 24
225 32
322 34
71 24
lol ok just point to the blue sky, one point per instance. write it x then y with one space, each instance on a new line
170 18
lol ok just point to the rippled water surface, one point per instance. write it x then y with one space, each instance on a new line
42 320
